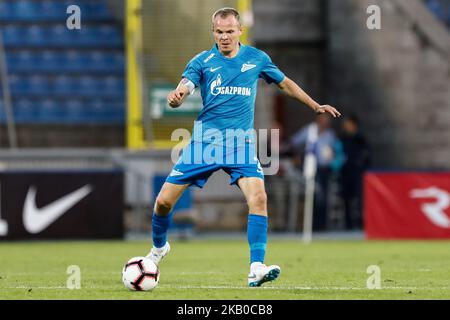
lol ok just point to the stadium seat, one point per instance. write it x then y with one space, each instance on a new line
25 110
49 61
23 60
25 10
6 11
74 111
75 61
448 16
89 86
436 7
59 36
113 86
108 35
49 64
54 10
2 111
97 110
95 11
106 111
98 61
119 60
50 111
36 35
64 85
17 84
117 111
13 35
38 85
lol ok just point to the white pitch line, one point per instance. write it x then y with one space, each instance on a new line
171 287
280 288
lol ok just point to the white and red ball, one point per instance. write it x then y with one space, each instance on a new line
140 274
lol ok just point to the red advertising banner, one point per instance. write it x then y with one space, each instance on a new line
407 205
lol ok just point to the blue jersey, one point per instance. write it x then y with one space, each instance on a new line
228 89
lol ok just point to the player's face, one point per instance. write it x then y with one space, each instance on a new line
226 34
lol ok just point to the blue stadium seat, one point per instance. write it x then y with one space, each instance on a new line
49 61
85 37
25 10
448 16
435 6
2 111
38 85
97 110
49 64
36 35
119 61
11 60
28 60
64 85
117 111
54 10
98 10
101 61
75 61
98 61
106 111
74 111
108 35
17 84
23 60
13 35
89 86
25 110
60 36
6 11
50 111
113 86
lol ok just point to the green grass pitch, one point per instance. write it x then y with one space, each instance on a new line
217 269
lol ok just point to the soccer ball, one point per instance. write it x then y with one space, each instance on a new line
140 274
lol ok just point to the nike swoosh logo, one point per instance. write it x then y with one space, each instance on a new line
246 67
215 69
36 220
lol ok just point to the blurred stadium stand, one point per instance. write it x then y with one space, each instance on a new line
62 77
68 86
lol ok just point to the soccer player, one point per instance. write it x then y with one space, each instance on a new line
227 76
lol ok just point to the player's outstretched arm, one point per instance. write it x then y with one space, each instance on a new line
290 88
176 97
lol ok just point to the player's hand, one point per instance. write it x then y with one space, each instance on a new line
328 109
175 98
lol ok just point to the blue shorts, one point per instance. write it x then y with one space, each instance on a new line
200 160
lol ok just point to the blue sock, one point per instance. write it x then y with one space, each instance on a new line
160 225
257 237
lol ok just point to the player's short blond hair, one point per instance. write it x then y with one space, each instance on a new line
225 12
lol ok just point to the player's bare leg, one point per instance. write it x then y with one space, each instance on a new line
255 194
168 197
165 201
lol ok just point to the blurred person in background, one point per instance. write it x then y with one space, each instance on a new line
227 76
329 155
357 161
